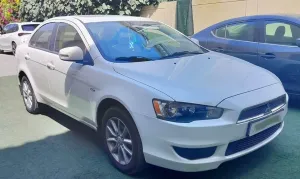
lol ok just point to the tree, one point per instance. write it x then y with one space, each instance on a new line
40 10
9 11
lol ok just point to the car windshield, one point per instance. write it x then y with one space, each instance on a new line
137 41
29 27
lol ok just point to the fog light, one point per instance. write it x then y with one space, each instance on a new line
195 153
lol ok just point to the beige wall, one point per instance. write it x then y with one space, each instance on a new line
208 12
165 12
218 10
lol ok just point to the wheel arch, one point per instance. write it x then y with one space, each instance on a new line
105 104
23 73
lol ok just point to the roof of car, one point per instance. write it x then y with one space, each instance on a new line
291 17
101 18
294 16
24 23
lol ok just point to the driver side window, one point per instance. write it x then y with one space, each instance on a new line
41 38
67 36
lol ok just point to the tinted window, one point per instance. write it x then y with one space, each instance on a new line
42 36
220 32
118 41
29 27
7 28
67 36
242 31
281 33
14 28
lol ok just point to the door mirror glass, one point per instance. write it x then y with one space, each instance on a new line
71 54
298 42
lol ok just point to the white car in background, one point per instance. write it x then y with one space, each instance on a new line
13 33
152 94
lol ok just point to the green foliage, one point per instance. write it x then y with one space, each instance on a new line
8 11
39 10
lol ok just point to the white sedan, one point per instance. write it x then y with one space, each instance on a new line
152 94
12 35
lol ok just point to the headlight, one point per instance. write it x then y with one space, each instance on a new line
184 112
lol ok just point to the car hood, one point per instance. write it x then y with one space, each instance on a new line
201 79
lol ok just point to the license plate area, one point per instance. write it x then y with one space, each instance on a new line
262 124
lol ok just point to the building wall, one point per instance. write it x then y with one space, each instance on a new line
165 12
208 12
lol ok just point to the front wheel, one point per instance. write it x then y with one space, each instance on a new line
29 98
122 141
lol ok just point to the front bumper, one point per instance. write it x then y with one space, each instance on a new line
160 137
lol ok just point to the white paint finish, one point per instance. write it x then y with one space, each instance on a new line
158 137
6 40
36 60
209 79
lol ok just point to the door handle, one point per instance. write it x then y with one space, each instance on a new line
27 57
268 55
50 66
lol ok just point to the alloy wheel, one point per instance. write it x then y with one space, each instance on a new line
27 95
119 141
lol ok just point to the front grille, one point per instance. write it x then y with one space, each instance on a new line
245 143
262 109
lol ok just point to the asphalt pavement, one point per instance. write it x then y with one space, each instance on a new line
52 145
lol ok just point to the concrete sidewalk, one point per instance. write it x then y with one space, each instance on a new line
8 65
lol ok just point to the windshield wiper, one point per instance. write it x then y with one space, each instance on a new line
133 59
178 54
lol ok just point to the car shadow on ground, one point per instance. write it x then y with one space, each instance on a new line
78 154
232 169
7 53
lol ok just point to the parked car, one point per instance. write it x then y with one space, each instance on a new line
153 95
12 34
269 41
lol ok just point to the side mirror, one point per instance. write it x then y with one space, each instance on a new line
71 54
195 41
298 42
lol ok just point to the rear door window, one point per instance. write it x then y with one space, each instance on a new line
242 31
14 28
220 32
29 27
281 33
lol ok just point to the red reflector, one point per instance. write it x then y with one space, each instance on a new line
21 34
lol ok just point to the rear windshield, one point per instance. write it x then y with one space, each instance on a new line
29 27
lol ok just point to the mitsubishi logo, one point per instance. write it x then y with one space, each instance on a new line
268 109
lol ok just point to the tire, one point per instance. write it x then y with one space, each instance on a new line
137 162
13 48
27 94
